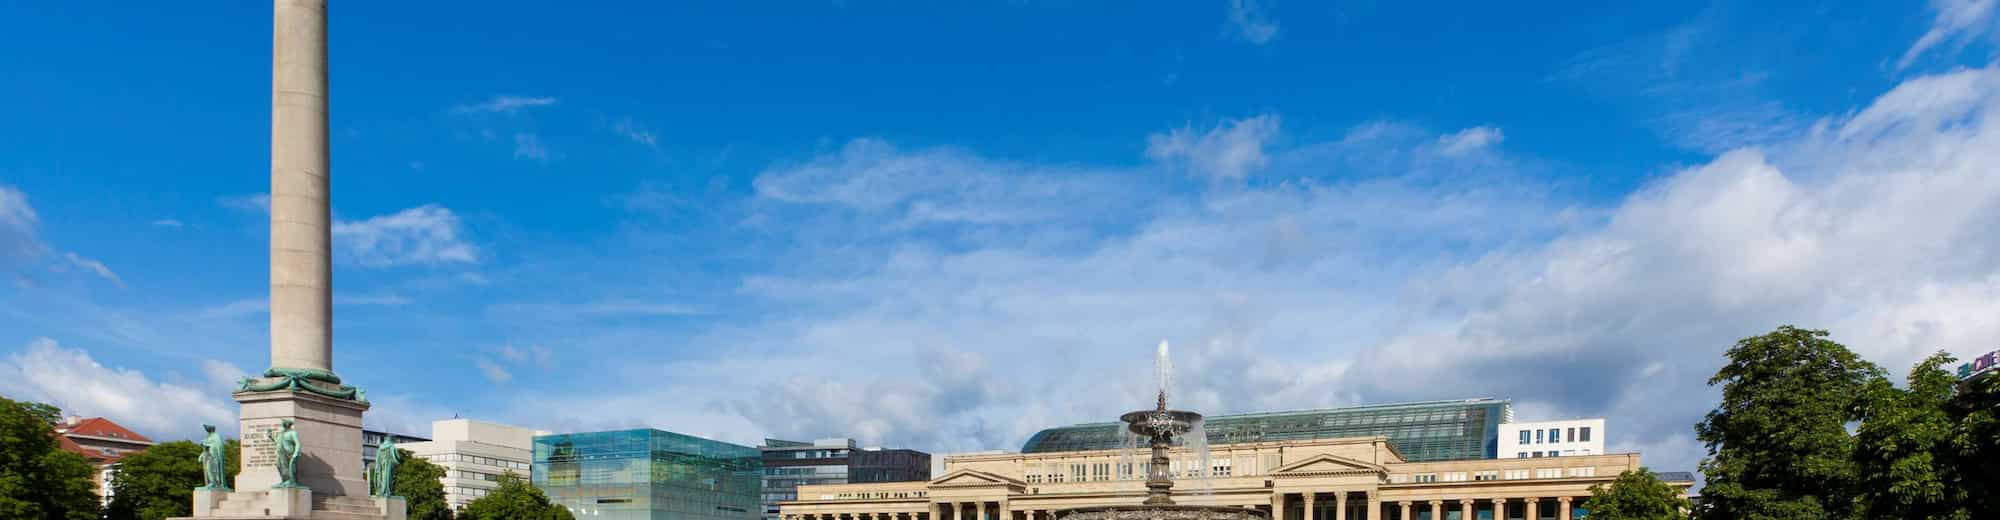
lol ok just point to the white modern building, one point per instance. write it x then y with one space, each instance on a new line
475 454
1567 438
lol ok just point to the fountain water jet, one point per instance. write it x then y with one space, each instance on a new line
1159 428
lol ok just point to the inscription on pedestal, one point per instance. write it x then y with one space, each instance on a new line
258 450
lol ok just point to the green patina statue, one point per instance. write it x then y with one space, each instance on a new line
286 443
214 461
386 460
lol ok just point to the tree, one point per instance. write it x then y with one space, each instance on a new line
1636 495
1904 447
1778 448
38 480
418 482
1976 445
515 499
157 483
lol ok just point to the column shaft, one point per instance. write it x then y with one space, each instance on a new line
1278 506
1308 515
1340 505
1534 503
301 306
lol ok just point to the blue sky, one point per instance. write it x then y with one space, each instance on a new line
945 227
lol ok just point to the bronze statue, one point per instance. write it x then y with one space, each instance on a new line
286 443
214 461
386 460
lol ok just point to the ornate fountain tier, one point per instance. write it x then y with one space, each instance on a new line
1160 427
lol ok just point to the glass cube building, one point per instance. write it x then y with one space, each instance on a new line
1421 431
648 474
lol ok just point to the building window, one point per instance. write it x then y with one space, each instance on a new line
1572 434
1486 475
1100 471
1586 434
1555 435
1549 473
1524 436
1426 477
1583 472
1517 474
1078 472
1538 455
1539 436
1521 455
1554 453
1455 476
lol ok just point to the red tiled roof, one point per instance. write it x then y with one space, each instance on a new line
96 457
101 427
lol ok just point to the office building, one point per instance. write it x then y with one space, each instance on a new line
1524 440
474 455
648 474
790 464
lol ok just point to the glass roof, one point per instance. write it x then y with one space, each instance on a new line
1421 431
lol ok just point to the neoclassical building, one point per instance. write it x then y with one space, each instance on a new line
1332 478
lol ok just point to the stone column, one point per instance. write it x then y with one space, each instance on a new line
1437 510
1374 507
1533 503
1340 505
1563 512
983 515
1499 508
1278 506
1465 509
1403 510
1308 498
301 234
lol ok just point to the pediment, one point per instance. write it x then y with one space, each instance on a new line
1325 464
967 477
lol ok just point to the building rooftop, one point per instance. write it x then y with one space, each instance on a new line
1676 476
1421 431
108 440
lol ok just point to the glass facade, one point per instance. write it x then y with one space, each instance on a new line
648 474
790 464
1422 431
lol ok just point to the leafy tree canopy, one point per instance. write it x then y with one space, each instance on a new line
1636 495
38 480
418 482
515 499
1903 447
157 483
1777 443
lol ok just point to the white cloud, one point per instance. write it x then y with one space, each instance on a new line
937 186
257 202
1248 21
1956 19
1471 140
17 228
69 378
1378 250
493 371
1230 151
625 127
504 104
422 235
167 222
95 267
528 146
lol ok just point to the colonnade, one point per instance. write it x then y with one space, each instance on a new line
1306 505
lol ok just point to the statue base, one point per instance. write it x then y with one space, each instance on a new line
293 504
329 431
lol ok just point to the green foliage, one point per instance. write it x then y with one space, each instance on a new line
515 499
1777 443
1908 468
1636 495
1976 445
38 480
417 481
158 483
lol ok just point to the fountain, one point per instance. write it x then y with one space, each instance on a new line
1159 427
